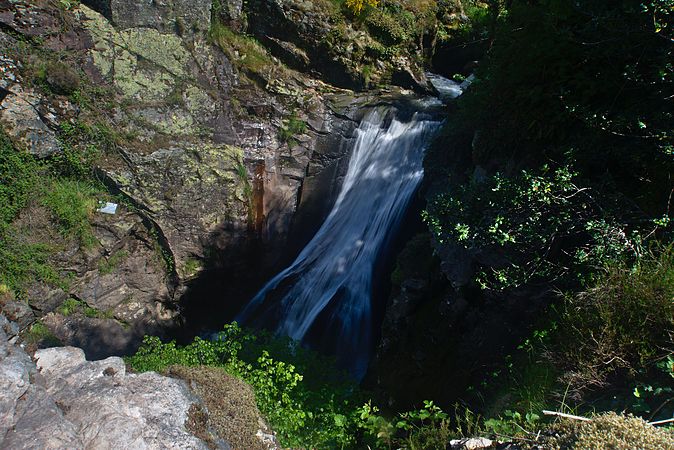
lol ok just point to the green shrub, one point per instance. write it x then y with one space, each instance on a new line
388 28
426 428
316 413
22 262
18 176
522 219
293 127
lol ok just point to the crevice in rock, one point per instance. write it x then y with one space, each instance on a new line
102 6
150 224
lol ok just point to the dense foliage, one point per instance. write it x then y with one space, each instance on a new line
629 316
25 181
308 402
571 117
560 176
526 220
313 412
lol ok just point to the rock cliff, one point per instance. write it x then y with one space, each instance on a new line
211 145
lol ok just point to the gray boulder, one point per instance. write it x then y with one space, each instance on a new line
65 401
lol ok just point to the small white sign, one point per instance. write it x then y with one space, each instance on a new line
108 208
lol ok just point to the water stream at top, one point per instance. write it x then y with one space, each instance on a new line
324 297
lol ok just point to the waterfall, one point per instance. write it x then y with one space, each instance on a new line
325 295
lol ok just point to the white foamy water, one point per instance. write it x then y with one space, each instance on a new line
325 295
449 89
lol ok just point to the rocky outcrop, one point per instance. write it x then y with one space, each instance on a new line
310 35
64 401
165 16
210 179
58 399
208 165
21 109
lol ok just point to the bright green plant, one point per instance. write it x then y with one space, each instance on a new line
305 413
22 263
71 202
21 260
292 127
522 219
18 176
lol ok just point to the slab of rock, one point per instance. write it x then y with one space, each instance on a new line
65 401
471 443
21 120
165 15
16 368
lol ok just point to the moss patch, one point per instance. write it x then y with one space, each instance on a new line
611 431
232 412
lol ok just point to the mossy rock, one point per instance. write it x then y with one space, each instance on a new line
62 78
230 403
610 431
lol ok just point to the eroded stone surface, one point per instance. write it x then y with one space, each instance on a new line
65 401
20 113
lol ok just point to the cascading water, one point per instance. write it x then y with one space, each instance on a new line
325 295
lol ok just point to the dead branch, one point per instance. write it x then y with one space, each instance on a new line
566 416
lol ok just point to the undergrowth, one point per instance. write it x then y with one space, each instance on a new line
312 412
65 187
244 51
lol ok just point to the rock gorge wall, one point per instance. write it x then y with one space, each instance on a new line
210 183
